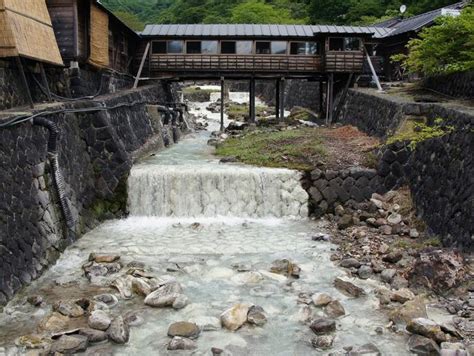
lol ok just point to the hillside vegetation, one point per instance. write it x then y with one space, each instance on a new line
137 13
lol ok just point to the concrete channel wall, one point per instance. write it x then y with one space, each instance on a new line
96 151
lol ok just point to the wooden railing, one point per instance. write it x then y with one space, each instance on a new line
347 62
243 63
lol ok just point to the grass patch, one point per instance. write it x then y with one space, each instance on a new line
415 132
239 112
293 149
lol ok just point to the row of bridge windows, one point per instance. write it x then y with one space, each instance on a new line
252 47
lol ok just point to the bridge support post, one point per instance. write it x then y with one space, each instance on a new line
252 101
329 98
277 99
321 99
222 102
281 107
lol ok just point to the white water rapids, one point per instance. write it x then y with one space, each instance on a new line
193 219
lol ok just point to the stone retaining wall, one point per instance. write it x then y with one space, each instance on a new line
438 171
96 151
348 187
457 85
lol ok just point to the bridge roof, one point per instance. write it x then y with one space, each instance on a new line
252 31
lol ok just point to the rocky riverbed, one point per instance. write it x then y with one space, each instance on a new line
233 285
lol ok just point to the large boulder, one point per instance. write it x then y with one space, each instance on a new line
438 270
421 345
348 288
184 329
119 331
428 328
165 295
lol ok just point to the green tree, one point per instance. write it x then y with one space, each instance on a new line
444 48
131 20
257 11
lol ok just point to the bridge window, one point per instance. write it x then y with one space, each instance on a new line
263 48
351 44
158 47
304 48
209 47
175 47
236 47
344 44
193 47
279 47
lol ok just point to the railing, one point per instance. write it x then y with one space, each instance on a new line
254 63
346 62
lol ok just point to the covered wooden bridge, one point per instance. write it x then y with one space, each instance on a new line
188 52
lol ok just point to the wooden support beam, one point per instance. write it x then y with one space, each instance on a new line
252 111
44 79
277 99
142 63
329 98
342 99
25 82
372 69
321 99
222 102
282 99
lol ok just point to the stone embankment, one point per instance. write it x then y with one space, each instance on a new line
438 168
95 153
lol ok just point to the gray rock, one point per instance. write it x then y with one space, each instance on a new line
119 331
414 233
233 318
344 222
181 343
387 275
321 299
165 295
133 319
394 219
350 263
285 267
393 257
207 323
323 326
70 344
68 308
180 302
367 350
348 288
93 336
99 320
421 345
256 316
428 328
35 300
335 309
184 329
109 299
365 272
323 342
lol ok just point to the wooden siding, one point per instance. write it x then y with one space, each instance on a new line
238 63
62 18
344 62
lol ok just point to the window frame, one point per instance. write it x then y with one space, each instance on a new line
318 48
343 38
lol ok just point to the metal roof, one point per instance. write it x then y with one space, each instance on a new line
415 23
241 30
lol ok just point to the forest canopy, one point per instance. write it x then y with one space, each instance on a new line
137 13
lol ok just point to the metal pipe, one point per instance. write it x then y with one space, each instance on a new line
372 69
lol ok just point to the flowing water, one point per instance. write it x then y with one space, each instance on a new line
194 219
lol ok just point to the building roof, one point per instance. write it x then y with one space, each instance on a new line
26 31
242 31
415 23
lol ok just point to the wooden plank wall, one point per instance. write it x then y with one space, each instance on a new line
344 62
62 18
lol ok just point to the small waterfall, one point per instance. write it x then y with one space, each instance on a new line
216 190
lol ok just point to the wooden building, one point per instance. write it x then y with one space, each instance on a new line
26 31
88 33
402 30
254 50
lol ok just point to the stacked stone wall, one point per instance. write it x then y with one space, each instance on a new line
96 151
439 171
457 85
